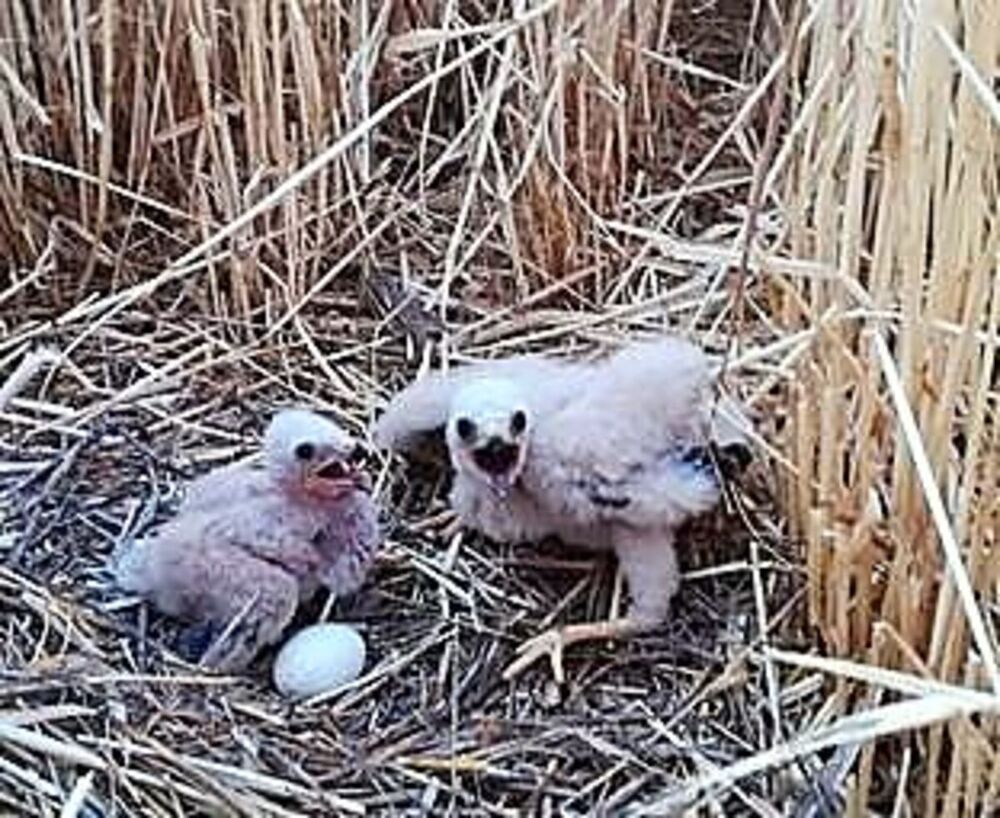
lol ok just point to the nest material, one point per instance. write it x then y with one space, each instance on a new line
776 181
430 723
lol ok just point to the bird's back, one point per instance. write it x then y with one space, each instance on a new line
223 488
629 447
218 514
635 404
314 541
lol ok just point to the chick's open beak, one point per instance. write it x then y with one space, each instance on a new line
501 461
338 475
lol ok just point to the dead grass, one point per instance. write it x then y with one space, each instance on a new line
208 209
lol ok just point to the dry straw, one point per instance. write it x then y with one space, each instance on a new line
209 208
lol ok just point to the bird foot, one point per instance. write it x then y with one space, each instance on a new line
194 640
235 645
550 643
554 641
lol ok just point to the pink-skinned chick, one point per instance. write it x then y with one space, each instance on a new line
252 541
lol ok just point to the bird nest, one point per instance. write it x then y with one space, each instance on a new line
212 210
430 723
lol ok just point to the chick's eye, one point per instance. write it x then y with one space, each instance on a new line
305 451
358 454
466 429
518 422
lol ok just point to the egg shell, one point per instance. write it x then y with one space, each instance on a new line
317 659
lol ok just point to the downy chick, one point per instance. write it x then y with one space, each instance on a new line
250 542
615 454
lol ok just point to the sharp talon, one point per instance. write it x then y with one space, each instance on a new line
556 660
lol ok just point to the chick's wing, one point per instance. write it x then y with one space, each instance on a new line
422 407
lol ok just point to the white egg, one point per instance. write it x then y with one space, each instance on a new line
317 659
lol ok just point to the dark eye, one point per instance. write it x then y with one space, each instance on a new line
518 422
466 429
305 451
358 454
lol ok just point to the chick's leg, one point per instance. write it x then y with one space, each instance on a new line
259 601
650 567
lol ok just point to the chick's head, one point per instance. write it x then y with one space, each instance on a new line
309 453
488 432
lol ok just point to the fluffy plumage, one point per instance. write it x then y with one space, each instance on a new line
615 454
252 541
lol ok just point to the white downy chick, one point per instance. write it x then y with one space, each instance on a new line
616 454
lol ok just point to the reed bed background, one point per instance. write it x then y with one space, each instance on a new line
209 208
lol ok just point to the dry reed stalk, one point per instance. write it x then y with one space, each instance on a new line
917 232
